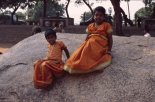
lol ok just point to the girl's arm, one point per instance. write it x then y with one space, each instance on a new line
87 37
67 52
109 36
88 33
47 53
110 42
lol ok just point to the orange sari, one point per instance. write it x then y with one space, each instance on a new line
52 66
93 54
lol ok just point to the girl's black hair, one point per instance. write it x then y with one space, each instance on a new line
100 9
50 32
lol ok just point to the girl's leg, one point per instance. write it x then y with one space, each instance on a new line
42 75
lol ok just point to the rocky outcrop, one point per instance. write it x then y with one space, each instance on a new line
130 78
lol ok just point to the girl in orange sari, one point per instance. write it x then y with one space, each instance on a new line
46 70
94 54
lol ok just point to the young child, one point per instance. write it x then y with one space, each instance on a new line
61 27
95 53
56 27
52 66
146 31
36 29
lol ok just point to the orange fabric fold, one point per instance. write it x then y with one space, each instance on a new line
45 71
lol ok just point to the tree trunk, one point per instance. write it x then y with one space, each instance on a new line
12 21
13 13
45 5
67 8
118 17
153 14
89 7
125 18
128 9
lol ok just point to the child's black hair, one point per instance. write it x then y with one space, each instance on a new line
50 32
100 9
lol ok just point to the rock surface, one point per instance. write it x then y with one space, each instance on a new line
130 78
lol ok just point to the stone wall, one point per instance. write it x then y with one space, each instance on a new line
14 33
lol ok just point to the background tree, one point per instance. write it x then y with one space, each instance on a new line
14 5
128 7
118 16
147 2
21 16
53 8
45 3
6 12
153 13
85 16
145 12
66 8
86 2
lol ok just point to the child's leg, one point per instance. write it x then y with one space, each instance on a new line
42 75
56 68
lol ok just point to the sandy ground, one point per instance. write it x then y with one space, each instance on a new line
5 46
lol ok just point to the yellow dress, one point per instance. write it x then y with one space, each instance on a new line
93 54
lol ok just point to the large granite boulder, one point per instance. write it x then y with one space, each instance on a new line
130 78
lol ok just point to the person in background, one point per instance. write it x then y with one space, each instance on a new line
56 27
146 31
61 27
36 29
139 20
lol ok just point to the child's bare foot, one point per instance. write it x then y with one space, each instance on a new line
48 88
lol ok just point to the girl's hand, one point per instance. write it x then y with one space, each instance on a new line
45 59
109 52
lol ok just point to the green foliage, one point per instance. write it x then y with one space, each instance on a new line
21 16
53 7
14 3
145 12
7 12
147 2
80 2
